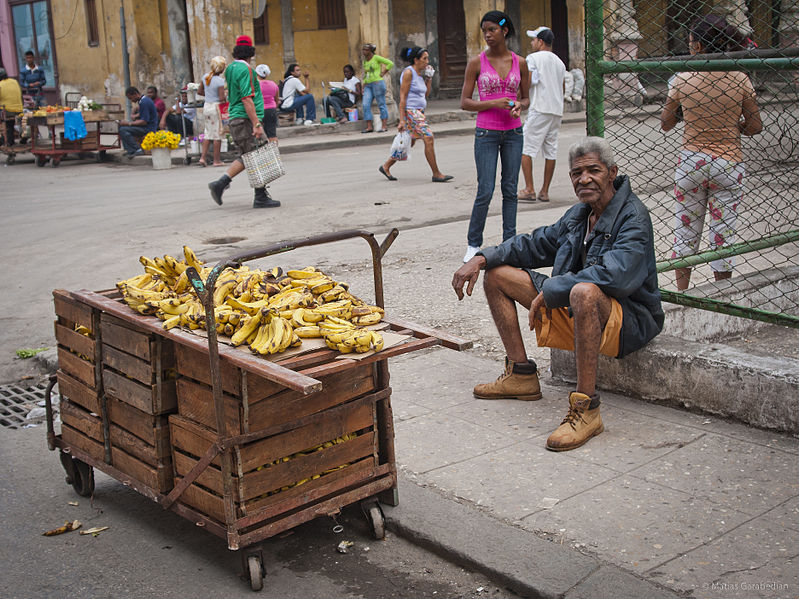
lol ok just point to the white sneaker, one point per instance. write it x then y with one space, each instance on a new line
298 121
308 123
471 252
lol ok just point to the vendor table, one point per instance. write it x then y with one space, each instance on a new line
56 147
242 446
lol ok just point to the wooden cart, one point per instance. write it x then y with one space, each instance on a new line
56 146
245 447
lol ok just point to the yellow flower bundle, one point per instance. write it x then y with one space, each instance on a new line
160 139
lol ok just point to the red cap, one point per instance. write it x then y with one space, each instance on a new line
244 40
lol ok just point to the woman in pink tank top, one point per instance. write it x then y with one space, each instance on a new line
503 82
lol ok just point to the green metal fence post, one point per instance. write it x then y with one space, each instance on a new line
594 78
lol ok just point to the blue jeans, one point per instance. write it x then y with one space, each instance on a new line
488 145
307 103
377 91
128 135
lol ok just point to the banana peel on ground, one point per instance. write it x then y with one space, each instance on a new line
67 527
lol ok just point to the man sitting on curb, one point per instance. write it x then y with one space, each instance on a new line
144 121
602 296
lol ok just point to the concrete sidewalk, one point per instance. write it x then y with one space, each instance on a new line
445 117
663 502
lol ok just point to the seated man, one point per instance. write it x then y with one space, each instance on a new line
160 106
144 122
10 104
171 119
602 296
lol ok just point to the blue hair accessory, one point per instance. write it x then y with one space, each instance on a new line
502 22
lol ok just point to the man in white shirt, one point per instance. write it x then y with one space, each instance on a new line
547 73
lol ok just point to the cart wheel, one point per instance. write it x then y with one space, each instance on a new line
377 520
100 156
187 160
69 466
11 159
256 568
83 482
56 160
41 160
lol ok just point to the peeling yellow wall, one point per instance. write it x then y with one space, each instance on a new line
321 52
214 26
272 53
474 11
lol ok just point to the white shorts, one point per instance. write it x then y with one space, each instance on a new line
541 133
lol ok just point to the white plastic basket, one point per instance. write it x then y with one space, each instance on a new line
263 165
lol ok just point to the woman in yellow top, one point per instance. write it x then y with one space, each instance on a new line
375 68
10 104
718 108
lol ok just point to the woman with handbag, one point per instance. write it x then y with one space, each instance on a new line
414 87
212 86
345 96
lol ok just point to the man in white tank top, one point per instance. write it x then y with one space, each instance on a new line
547 73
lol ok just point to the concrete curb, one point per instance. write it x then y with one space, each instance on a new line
312 141
519 560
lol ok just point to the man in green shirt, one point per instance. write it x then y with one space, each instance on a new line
246 112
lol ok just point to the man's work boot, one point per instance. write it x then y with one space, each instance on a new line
581 423
263 199
519 381
218 187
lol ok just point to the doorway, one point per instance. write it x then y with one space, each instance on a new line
560 27
32 31
451 46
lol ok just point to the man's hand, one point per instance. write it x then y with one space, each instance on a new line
535 310
258 131
469 272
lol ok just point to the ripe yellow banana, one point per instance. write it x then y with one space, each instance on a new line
309 272
247 328
192 260
372 318
307 332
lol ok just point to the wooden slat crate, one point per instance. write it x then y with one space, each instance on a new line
77 353
138 367
139 442
82 428
251 402
263 479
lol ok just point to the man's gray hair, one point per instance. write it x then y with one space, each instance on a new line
592 145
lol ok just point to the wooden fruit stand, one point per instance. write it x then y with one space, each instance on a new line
243 446
56 146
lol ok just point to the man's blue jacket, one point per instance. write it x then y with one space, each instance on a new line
620 260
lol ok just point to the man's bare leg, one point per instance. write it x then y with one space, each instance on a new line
505 286
549 172
591 308
527 172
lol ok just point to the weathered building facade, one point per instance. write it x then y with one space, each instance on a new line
168 43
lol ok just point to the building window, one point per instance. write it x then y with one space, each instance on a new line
331 14
31 25
91 23
260 27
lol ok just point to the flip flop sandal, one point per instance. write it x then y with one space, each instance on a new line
526 197
443 179
386 175
368 131
541 198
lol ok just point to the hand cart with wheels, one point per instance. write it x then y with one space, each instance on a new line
11 151
186 140
55 148
204 429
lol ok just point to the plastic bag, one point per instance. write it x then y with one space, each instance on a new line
401 146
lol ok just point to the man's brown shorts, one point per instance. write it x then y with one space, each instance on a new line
558 331
241 132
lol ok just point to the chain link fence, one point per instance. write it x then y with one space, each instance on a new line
724 212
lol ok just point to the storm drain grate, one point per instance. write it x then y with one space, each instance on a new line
16 402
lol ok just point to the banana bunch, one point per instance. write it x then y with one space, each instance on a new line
266 310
